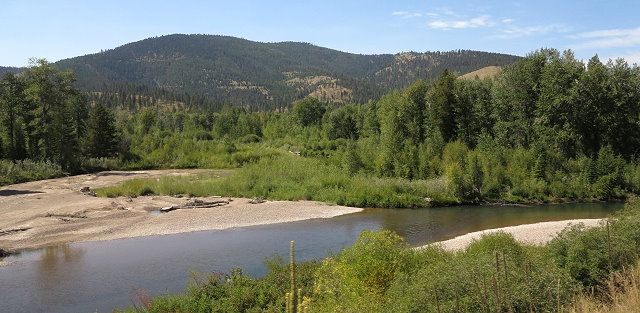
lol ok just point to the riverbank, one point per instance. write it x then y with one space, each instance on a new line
56 211
534 234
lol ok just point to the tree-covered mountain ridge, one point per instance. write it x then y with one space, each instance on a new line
4 69
229 70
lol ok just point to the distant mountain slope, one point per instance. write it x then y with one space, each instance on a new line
489 71
242 72
4 69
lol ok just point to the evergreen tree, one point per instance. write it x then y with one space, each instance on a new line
51 114
102 137
11 104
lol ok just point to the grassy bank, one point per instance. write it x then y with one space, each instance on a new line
582 269
290 177
297 178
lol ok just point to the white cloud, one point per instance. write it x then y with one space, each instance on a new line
631 58
508 20
517 31
480 21
610 38
405 14
447 11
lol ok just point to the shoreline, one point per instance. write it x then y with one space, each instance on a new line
533 234
55 211
50 212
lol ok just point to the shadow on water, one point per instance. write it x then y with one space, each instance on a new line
100 276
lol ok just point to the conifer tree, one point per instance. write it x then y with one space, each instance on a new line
102 137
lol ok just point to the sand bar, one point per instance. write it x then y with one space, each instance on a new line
535 234
55 211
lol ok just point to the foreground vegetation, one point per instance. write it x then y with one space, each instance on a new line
580 270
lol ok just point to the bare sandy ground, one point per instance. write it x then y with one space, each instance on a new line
55 211
535 234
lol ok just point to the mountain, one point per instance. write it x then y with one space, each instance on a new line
4 69
236 71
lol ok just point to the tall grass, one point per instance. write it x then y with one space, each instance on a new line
27 170
289 177
620 295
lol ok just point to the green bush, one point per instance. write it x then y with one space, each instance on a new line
590 254
494 274
250 138
27 170
234 291
357 279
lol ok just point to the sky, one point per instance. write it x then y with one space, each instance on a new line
62 29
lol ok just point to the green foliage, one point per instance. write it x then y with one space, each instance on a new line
43 116
520 137
442 106
102 137
590 254
296 178
27 170
493 274
234 292
308 111
356 280
400 131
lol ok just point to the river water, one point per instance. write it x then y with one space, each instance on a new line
101 276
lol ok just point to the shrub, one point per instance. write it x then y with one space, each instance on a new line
203 135
250 138
27 170
356 280
590 254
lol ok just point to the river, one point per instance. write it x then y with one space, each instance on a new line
101 276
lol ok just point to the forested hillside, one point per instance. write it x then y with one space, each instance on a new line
228 70
4 69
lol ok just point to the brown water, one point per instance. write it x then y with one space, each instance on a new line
101 276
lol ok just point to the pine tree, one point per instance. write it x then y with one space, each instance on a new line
102 136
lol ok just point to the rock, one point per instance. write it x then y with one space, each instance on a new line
4 254
87 191
257 200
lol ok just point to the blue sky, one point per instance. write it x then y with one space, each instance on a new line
66 28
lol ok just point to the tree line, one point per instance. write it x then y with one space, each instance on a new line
45 118
547 127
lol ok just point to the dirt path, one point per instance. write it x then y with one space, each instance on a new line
535 234
55 211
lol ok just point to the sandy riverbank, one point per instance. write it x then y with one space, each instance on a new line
535 234
55 211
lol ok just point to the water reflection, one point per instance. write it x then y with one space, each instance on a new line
59 263
52 257
100 276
